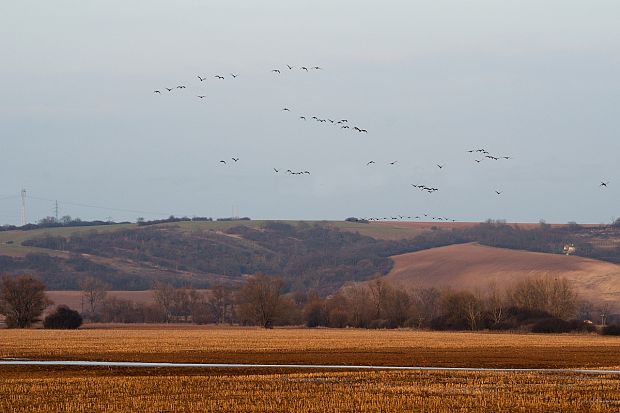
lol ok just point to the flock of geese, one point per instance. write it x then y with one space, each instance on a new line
406 218
481 154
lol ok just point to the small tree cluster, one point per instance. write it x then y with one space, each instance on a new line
22 300
63 318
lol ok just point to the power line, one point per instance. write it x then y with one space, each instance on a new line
136 211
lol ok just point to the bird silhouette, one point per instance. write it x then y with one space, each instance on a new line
304 68
478 160
287 109
235 159
276 71
498 192
202 79
234 75
224 162
317 68
276 170
302 117
219 77
604 184
180 87
290 67
393 163
157 91
169 89
370 162
440 166
201 96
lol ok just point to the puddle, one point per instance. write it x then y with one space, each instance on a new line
84 363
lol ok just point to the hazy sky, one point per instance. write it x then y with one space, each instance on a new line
535 80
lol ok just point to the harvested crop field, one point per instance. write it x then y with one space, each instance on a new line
94 389
162 391
313 346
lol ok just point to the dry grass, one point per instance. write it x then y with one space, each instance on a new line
158 391
98 389
318 346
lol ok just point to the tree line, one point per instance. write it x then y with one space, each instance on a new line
537 304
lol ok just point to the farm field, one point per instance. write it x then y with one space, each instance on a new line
73 299
168 391
199 344
79 389
471 266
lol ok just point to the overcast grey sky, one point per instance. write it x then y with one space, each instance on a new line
535 80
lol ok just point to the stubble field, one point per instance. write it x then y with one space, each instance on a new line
79 389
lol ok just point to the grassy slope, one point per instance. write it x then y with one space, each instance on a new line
15 249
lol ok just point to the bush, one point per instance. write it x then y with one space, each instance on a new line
380 324
63 318
611 330
582 326
552 325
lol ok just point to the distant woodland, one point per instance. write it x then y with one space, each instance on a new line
305 256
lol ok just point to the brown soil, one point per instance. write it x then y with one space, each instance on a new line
472 266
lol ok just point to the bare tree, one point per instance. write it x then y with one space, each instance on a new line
182 303
261 298
397 306
22 300
604 311
427 302
360 308
165 297
460 310
378 293
586 308
555 296
562 299
531 294
221 302
94 292
472 306
495 303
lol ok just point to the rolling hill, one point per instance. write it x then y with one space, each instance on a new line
471 266
319 255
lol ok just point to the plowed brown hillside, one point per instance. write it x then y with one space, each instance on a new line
471 266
